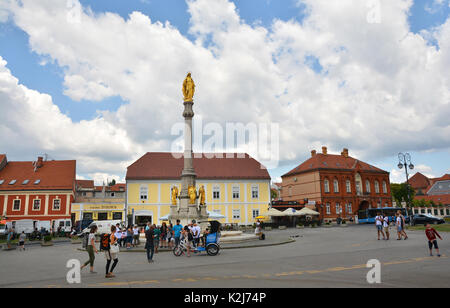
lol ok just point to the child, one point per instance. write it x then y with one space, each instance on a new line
431 235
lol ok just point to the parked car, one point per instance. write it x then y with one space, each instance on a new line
421 219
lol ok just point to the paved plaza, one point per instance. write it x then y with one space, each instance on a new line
318 257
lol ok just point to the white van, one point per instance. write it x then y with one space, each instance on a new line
103 226
65 224
3 229
24 225
42 224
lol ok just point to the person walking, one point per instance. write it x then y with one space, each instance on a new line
111 254
170 236
398 224
196 232
431 234
91 249
163 235
156 237
22 238
403 223
136 236
379 224
177 232
129 238
386 226
150 243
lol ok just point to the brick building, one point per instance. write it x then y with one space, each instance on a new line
337 185
39 190
436 190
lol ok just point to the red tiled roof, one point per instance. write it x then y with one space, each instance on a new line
442 178
331 161
444 199
87 184
116 187
53 175
166 166
419 180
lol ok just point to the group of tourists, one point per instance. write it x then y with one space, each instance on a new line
127 237
383 223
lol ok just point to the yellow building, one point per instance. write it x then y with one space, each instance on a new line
236 186
99 202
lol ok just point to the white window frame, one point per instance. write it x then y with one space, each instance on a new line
34 205
216 193
14 205
236 192
349 208
255 213
377 187
338 208
328 208
143 193
384 187
59 206
326 185
336 186
255 191
348 186
368 186
236 213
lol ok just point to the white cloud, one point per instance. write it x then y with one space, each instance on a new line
383 88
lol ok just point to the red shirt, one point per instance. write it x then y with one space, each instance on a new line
431 234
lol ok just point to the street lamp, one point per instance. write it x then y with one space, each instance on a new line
405 161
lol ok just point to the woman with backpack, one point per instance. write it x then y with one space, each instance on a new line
111 252
90 248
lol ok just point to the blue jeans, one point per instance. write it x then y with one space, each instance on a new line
150 251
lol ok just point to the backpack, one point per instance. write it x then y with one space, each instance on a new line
190 237
85 240
263 237
105 242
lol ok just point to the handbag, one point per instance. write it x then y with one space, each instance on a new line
115 248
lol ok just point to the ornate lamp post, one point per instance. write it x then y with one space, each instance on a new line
405 161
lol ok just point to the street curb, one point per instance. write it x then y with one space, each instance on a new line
287 241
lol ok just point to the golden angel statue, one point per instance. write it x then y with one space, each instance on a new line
201 195
174 195
192 194
188 88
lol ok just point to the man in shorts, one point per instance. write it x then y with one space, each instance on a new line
386 226
379 224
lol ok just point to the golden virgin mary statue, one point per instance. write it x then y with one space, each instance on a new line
188 88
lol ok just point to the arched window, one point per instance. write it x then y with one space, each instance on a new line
326 184
368 186
377 187
384 187
336 185
348 186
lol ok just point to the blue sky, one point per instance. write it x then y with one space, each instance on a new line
27 65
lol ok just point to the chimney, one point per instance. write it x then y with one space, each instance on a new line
324 150
313 153
345 152
40 162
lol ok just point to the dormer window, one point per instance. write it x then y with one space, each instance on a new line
12 182
25 182
37 182
2 181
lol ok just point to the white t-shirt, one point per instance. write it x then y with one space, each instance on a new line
399 221
378 220
386 222
136 231
196 231
91 237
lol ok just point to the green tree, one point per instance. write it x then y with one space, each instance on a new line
112 183
273 194
400 192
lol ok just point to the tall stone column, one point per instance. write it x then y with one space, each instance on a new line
186 211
